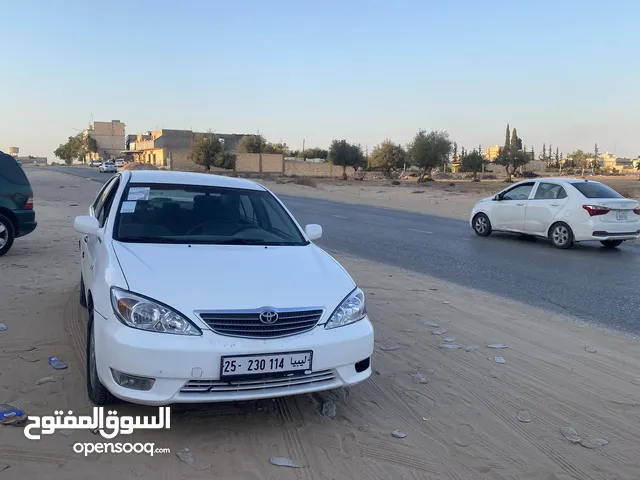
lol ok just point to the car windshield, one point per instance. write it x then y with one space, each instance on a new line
596 190
188 214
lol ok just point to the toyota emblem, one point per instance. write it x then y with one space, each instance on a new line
269 317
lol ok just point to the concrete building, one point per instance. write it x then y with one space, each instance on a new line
157 146
492 153
110 137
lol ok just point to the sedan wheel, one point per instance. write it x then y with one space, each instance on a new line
482 225
96 391
561 235
7 234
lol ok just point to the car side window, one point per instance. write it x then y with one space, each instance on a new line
521 192
110 194
97 204
550 191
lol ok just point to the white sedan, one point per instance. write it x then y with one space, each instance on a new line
564 210
204 288
108 167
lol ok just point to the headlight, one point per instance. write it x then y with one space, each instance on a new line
351 310
145 314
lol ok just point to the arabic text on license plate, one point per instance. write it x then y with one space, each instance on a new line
621 215
264 364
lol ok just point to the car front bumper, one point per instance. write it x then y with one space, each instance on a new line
186 369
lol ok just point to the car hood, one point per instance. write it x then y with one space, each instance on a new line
219 277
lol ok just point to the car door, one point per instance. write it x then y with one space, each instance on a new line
508 212
548 200
89 243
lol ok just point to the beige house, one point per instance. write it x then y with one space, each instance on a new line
157 146
110 137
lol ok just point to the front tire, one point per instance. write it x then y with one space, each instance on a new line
83 294
96 391
561 235
611 243
7 234
482 225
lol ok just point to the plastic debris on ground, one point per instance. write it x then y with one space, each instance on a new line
329 409
438 332
450 346
399 434
498 359
524 416
283 462
471 348
570 434
431 324
390 348
496 345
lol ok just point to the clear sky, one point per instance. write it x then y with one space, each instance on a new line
565 72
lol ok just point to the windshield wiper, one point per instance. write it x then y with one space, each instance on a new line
245 241
143 239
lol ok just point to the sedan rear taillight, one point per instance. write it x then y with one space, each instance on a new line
29 204
595 210
636 211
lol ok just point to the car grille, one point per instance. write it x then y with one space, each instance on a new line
298 379
248 324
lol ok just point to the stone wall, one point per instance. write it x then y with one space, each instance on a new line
252 163
313 169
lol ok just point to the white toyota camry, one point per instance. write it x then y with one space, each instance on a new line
564 210
204 288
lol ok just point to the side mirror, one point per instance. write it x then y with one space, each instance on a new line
313 231
496 198
86 225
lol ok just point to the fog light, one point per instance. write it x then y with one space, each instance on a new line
362 365
131 381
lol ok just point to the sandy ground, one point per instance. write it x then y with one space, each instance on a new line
459 408
444 198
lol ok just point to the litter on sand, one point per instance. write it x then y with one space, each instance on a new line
499 359
3 327
496 345
431 324
438 332
594 442
49 379
56 363
570 434
10 415
446 303
524 416
471 348
450 346
589 349
66 433
449 339
187 457
390 348
418 378
283 462
399 434
329 409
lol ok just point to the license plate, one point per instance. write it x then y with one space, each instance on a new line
269 364
621 215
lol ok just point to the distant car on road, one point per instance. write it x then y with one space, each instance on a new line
17 217
95 163
563 210
204 288
108 167
119 162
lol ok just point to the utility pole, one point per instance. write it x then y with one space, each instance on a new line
303 156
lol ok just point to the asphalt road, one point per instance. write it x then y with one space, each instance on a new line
588 282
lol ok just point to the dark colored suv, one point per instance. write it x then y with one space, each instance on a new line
17 217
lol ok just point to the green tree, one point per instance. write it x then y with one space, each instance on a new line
251 144
473 162
515 146
429 150
533 154
596 157
280 148
316 153
72 150
387 156
543 155
507 138
557 157
511 160
206 150
580 160
346 155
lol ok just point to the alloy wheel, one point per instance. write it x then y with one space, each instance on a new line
560 235
4 234
481 224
